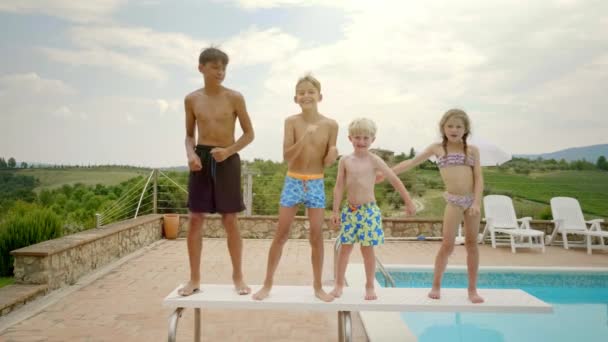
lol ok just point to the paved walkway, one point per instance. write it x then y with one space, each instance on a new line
123 303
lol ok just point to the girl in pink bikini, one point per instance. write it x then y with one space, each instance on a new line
460 170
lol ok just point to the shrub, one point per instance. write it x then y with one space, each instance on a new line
24 225
545 214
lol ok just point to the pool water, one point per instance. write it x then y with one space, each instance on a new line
580 308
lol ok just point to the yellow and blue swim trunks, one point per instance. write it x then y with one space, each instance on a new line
362 224
300 188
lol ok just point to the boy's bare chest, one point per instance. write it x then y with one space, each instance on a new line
214 110
357 168
319 137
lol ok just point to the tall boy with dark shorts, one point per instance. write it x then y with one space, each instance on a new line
215 167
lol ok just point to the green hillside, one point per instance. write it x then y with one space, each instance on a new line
533 192
51 178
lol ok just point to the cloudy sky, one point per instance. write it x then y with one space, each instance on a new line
89 82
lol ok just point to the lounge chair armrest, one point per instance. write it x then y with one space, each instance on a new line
525 222
595 225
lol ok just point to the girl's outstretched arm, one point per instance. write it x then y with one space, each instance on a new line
417 160
389 174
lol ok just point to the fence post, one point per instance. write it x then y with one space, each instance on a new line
97 220
248 191
155 192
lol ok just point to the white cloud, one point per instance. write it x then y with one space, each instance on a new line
145 53
163 105
107 58
253 4
521 69
78 11
28 94
404 64
63 112
254 46
31 82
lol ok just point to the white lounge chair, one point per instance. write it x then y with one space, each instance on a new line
500 218
568 219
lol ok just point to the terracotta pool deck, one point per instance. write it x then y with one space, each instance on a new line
123 302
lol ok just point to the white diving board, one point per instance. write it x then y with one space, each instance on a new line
389 299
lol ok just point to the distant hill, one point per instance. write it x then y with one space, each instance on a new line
51 178
589 153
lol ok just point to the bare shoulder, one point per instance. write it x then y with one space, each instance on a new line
376 159
436 148
233 94
345 159
193 95
329 122
474 150
292 118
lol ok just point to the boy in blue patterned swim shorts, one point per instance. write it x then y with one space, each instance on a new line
360 219
309 145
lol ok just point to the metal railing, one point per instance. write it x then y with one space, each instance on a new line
388 279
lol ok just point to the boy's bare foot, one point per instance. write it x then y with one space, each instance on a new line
241 288
370 293
474 297
324 296
336 292
188 289
262 293
435 293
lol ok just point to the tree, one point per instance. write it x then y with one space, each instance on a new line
3 164
412 153
602 164
23 165
12 163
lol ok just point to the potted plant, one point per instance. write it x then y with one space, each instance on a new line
171 225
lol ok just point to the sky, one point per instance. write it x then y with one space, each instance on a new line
103 82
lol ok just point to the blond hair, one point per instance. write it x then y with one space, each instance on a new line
310 78
455 113
362 126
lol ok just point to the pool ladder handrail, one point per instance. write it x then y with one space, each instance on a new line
388 279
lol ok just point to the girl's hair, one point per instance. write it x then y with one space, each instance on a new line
362 126
457 114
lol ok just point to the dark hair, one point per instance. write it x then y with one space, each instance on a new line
212 54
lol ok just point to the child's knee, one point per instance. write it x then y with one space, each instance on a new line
196 219
447 247
229 220
315 236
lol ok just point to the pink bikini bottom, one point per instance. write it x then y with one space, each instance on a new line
463 201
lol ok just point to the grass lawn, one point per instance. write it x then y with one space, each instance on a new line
6 281
531 193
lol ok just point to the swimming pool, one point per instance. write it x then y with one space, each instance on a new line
579 299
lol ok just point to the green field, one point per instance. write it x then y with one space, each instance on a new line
55 178
532 193
6 281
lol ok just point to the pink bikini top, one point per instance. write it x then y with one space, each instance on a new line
455 159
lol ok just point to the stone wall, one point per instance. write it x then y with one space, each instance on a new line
264 227
63 261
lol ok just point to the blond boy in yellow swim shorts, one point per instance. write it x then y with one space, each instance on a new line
360 220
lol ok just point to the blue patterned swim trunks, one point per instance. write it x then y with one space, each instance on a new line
361 224
307 189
